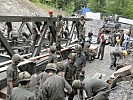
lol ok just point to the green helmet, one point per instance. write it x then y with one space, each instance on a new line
24 76
16 58
76 84
78 47
72 56
51 66
52 49
60 66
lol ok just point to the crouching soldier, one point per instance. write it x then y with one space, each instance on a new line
80 62
96 89
90 53
21 92
114 55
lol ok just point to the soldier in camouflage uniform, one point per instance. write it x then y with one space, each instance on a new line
60 69
9 28
81 27
12 74
93 87
90 53
59 31
21 92
80 62
70 68
114 55
53 87
53 57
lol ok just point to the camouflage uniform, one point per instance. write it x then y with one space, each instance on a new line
90 54
80 63
95 87
35 34
21 93
81 28
53 88
70 71
59 29
114 56
12 75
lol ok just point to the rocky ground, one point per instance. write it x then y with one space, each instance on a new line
123 91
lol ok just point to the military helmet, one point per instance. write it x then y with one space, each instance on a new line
51 66
16 58
78 47
24 76
52 48
72 56
76 84
60 66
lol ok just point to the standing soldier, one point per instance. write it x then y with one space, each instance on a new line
102 46
80 62
35 34
21 92
9 28
81 28
53 56
53 87
70 68
59 30
12 74
60 69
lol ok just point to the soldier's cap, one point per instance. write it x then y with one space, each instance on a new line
60 66
24 76
77 84
16 58
78 47
51 66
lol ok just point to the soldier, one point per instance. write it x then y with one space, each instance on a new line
12 74
90 53
35 34
14 37
96 89
53 56
50 37
114 55
21 92
60 69
102 46
50 13
53 87
59 30
70 69
80 62
81 27
9 28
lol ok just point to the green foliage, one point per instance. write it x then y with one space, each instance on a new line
120 7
